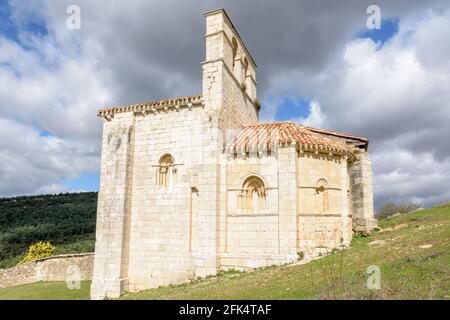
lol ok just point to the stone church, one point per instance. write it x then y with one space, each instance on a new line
194 185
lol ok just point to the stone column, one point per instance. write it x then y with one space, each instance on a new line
110 277
362 193
345 211
287 210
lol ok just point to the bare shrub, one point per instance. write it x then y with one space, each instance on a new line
391 208
442 205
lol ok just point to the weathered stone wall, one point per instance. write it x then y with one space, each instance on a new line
114 207
56 268
268 236
296 217
257 232
163 235
323 223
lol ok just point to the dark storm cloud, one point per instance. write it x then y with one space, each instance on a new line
155 48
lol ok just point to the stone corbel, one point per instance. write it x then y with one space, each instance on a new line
243 151
141 112
260 150
320 189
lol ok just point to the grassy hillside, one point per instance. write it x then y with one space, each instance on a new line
66 220
412 252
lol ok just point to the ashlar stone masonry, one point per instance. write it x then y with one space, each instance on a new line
193 185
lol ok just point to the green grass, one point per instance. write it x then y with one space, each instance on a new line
407 270
46 291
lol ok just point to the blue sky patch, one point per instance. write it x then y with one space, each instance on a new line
86 181
7 27
292 108
389 28
11 30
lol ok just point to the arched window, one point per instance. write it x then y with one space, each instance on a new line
252 198
166 171
322 195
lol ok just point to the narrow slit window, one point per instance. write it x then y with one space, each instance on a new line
166 171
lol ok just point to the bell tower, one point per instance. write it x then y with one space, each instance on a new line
229 74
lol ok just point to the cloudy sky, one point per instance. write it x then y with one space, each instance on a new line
318 64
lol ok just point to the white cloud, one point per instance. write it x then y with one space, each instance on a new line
403 175
316 118
47 86
269 111
56 98
32 163
53 188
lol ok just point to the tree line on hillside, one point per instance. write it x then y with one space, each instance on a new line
62 219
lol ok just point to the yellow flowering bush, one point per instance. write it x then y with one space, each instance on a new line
39 250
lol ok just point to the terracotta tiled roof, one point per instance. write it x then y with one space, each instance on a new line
147 105
255 135
339 134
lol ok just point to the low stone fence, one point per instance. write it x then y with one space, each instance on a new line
67 267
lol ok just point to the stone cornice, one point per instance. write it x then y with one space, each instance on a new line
153 107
